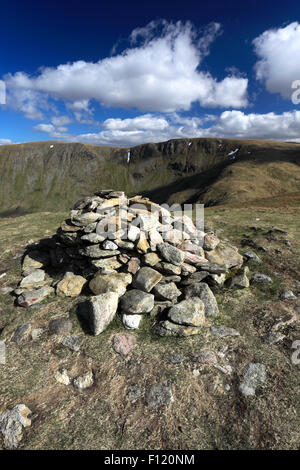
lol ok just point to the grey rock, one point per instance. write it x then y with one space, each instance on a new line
60 326
12 423
254 375
134 393
223 331
21 333
287 294
159 395
261 279
101 311
252 256
92 238
28 298
168 328
94 251
36 259
146 278
171 254
131 321
175 358
71 342
240 280
168 268
6 290
84 219
167 291
204 293
273 338
136 302
109 245
33 280
116 282
195 278
188 312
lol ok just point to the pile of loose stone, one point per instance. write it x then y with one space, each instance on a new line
132 257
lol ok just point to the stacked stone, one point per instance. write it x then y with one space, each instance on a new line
136 258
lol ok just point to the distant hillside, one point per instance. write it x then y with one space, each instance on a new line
49 176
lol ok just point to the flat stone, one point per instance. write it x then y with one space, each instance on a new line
36 259
225 254
21 333
71 285
92 238
191 247
60 326
133 265
168 328
131 322
12 423
136 302
167 291
252 256
174 236
205 357
151 259
191 258
67 226
159 395
84 381
168 268
223 331
203 292
101 311
187 269
123 344
108 264
188 312
94 251
171 254
146 278
259 278
71 342
146 222
34 280
85 218
254 375
103 283
194 278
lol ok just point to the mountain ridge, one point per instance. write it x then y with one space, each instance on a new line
50 175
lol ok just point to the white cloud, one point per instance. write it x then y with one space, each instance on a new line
158 73
236 124
279 52
231 124
60 120
48 128
5 141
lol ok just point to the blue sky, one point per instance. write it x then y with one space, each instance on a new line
125 73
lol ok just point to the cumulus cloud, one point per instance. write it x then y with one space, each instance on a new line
153 128
5 141
48 128
160 72
279 65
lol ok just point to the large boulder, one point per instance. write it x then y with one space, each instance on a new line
115 282
188 312
203 292
146 278
101 311
136 302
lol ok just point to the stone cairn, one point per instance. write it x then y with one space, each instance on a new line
132 257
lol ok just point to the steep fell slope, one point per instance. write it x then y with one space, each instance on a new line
51 175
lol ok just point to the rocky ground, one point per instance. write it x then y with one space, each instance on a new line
233 386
